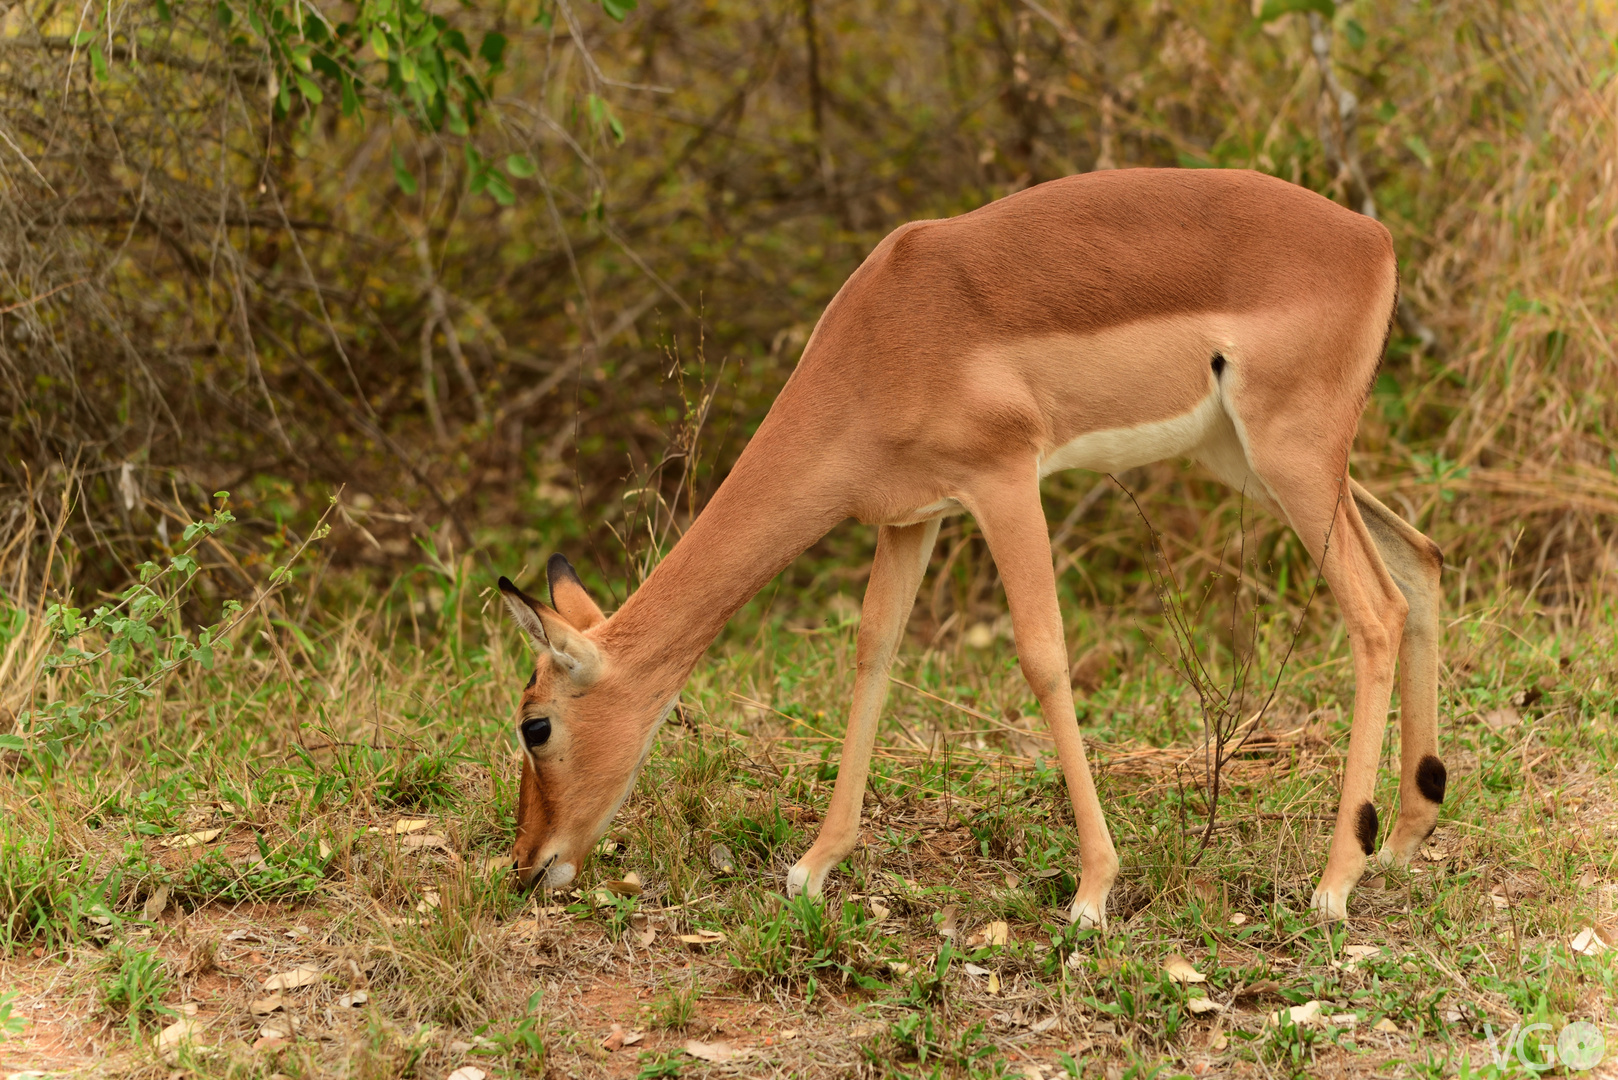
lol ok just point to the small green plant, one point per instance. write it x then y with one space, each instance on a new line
425 781
1290 1047
135 987
9 1025
675 1009
653 1065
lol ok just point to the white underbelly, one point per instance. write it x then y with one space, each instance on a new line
1113 450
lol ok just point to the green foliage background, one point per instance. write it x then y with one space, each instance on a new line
486 264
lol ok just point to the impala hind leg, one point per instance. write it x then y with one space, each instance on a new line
1327 520
1415 563
1013 522
901 559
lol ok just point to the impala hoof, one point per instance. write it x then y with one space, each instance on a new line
1087 915
801 880
1332 906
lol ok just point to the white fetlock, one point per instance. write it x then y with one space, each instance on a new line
1331 906
1088 915
801 880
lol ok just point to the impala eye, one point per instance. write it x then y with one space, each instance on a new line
536 731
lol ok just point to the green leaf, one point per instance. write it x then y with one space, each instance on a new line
1355 32
499 187
98 63
520 165
493 49
379 43
223 13
402 175
1414 144
617 9
12 742
601 116
1274 9
545 19
164 14
351 100
309 90
83 37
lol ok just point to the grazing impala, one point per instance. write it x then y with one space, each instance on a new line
1098 322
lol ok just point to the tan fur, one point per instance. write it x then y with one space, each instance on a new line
1073 323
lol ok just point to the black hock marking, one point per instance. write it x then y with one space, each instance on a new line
1365 828
1431 778
1218 365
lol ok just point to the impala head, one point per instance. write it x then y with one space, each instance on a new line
584 730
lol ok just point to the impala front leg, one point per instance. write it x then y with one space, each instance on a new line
1014 524
901 559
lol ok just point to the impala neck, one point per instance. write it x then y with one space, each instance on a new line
780 498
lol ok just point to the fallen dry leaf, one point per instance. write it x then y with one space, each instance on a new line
496 864
1588 943
427 842
629 885
1305 1015
879 910
1220 1041
429 901
996 933
1237 919
1259 988
1200 1005
280 1027
719 1052
182 1030
1342 1019
1180 970
720 858
354 1000
264 1006
703 937
1386 1026
994 982
467 1072
1502 719
946 920
325 850
641 924
974 969
156 903
300 976
192 839
614 1040
266 1043
410 825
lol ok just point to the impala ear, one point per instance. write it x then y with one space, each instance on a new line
525 610
568 595
577 654
550 633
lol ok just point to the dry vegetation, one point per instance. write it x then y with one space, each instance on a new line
206 291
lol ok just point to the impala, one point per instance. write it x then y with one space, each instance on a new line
1099 322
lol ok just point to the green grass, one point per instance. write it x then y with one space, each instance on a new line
305 744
